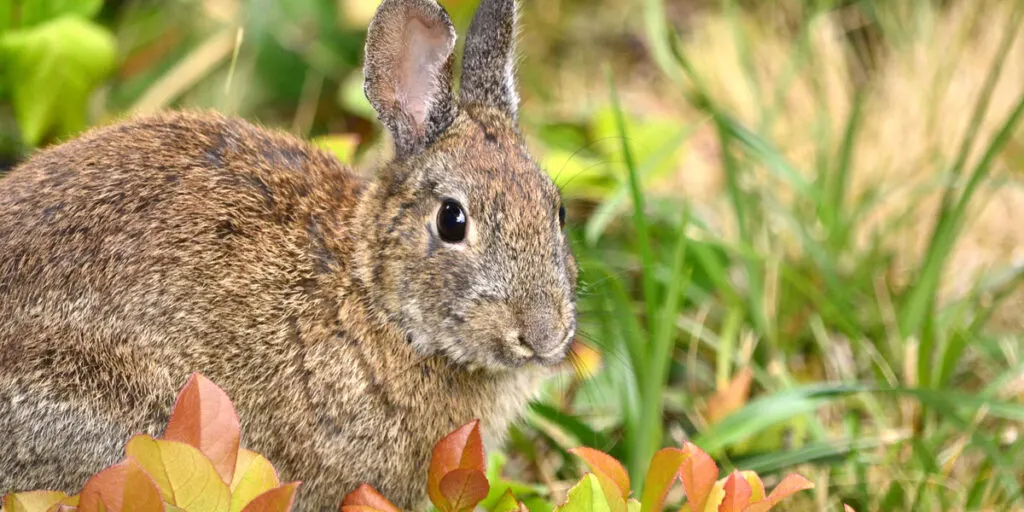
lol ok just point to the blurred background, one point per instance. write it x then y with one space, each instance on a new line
799 221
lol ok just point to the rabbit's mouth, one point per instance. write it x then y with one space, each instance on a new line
514 351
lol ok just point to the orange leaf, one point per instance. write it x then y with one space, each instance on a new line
125 486
737 493
35 501
205 418
605 464
699 474
730 398
462 449
184 476
661 474
463 489
792 484
274 500
365 497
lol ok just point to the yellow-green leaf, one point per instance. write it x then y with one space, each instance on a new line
509 503
343 146
185 477
254 475
586 496
35 501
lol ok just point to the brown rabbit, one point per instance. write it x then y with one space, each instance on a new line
353 323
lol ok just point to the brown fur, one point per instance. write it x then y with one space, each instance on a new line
349 337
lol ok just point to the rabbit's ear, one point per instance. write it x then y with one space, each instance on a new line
408 71
489 57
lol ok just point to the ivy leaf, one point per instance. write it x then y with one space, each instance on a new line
462 449
125 486
586 496
51 70
204 417
36 12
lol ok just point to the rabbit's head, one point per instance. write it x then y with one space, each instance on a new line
460 238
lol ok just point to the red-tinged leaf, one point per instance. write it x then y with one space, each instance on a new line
462 449
125 486
34 501
463 489
730 398
737 493
698 474
848 508
661 474
365 497
605 464
205 418
792 484
274 500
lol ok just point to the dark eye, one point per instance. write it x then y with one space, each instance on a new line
561 216
451 222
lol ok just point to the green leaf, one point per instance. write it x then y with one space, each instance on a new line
586 496
342 146
56 66
508 503
763 413
35 12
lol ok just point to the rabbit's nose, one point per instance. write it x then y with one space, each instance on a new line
540 333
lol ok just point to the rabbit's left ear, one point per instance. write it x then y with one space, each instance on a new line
408 71
488 61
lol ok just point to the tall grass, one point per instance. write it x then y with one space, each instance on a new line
901 403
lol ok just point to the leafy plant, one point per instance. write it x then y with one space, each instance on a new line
457 483
54 56
196 466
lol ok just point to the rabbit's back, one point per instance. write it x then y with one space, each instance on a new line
144 251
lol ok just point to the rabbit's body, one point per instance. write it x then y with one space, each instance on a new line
349 325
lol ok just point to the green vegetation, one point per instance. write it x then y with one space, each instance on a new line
795 220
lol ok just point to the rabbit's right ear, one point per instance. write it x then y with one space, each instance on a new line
408 71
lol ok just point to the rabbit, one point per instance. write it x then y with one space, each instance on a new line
354 322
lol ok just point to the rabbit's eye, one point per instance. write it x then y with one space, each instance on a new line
451 222
561 216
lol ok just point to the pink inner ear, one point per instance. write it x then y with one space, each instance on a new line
426 48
